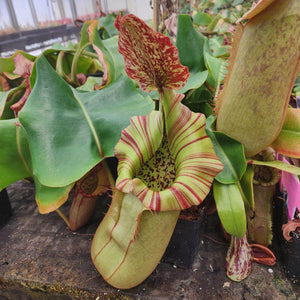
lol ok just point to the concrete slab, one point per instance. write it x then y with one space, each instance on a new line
40 258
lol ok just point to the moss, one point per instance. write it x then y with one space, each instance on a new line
283 285
41 291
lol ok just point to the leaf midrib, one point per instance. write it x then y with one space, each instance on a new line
91 125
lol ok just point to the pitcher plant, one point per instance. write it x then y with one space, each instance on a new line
172 147
166 162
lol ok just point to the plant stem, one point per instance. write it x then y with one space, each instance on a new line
61 214
108 173
75 63
59 67
89 54
156 11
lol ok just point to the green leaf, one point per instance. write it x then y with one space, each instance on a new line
8 65
71 131
15 162
190 44
276 164
222 52
195 81
213 65
237 2
202 19
9 98
212 26
90 83
107 24
288 141
229 151
49 199
109 56
230 207
59 47
215 42
246 185
216 47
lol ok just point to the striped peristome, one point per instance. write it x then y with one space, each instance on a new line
192 153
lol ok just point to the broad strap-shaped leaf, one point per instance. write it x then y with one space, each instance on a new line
107 25
288 141
71 131
202 19
7 64
171 169
107 51
190 44
88 189
130 241
15 161
23 66
150 57
231 208
262 69
4 84
229 151
15 164
246 184
195 81
213 66
49 199
239 258
7 99
90 84
276 164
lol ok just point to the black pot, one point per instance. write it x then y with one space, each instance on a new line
184 243
293 258
288 252
5 208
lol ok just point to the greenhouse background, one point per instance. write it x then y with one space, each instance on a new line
34 25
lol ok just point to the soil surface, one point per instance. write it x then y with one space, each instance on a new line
40 258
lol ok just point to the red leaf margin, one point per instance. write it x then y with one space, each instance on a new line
151 59
23 67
